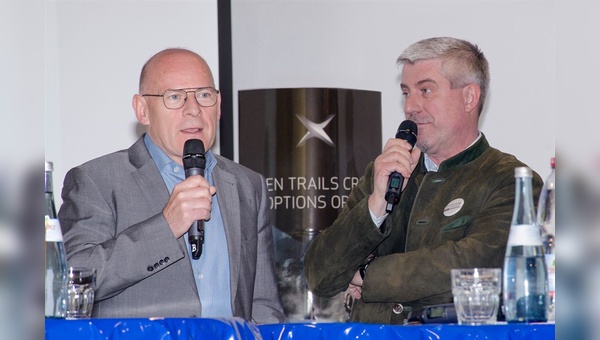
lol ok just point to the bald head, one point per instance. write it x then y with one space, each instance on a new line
164 61
170 128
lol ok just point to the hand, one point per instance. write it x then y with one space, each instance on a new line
190 201
396 156
355 286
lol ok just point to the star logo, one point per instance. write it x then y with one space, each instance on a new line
315 130
48 223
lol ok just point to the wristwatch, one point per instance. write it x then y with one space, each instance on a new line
363 269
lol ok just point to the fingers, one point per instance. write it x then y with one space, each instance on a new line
396 157
191 200
355 291
397 142
195 195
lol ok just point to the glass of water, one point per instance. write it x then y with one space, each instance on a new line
82 282
476 295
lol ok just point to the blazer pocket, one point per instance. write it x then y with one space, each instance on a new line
455 229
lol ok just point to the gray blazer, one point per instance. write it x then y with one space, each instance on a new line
112 220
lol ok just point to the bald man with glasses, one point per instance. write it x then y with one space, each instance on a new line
127 214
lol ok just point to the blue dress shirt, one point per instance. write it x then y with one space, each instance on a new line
211 271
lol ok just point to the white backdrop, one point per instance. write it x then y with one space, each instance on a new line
354 44
94 54
543 57
95 49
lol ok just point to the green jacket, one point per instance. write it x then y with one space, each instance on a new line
418 244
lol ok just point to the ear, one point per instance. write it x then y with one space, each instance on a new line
140 107
218 106
471 94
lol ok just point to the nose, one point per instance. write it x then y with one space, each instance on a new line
191 106
411 104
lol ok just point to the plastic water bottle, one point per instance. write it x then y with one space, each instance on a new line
56 259
545 219
525 283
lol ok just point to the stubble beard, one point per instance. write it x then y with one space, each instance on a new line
423 146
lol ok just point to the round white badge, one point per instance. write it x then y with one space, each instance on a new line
453 207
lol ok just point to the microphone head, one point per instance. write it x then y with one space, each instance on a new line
193 154
408 131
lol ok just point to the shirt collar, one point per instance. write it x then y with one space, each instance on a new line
165 163
432 167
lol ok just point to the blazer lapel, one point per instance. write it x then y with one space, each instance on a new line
229 204
156 194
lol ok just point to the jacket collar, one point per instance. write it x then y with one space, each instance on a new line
467 155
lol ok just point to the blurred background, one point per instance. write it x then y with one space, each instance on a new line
27 112
21 160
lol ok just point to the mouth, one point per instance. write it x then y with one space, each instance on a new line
191 130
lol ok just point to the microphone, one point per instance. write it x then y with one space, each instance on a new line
194 163
407 131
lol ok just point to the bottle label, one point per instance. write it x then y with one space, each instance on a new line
53 231
524 235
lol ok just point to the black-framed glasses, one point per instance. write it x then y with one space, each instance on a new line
175 98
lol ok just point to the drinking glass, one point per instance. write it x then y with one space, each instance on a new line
82 282
476 295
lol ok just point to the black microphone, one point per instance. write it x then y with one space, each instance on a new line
407 131
194 163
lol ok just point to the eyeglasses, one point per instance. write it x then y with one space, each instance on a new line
174 99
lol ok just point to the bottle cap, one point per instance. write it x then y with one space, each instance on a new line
49 166
523 171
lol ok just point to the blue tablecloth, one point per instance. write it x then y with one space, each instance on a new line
149 329
165 329
347 331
